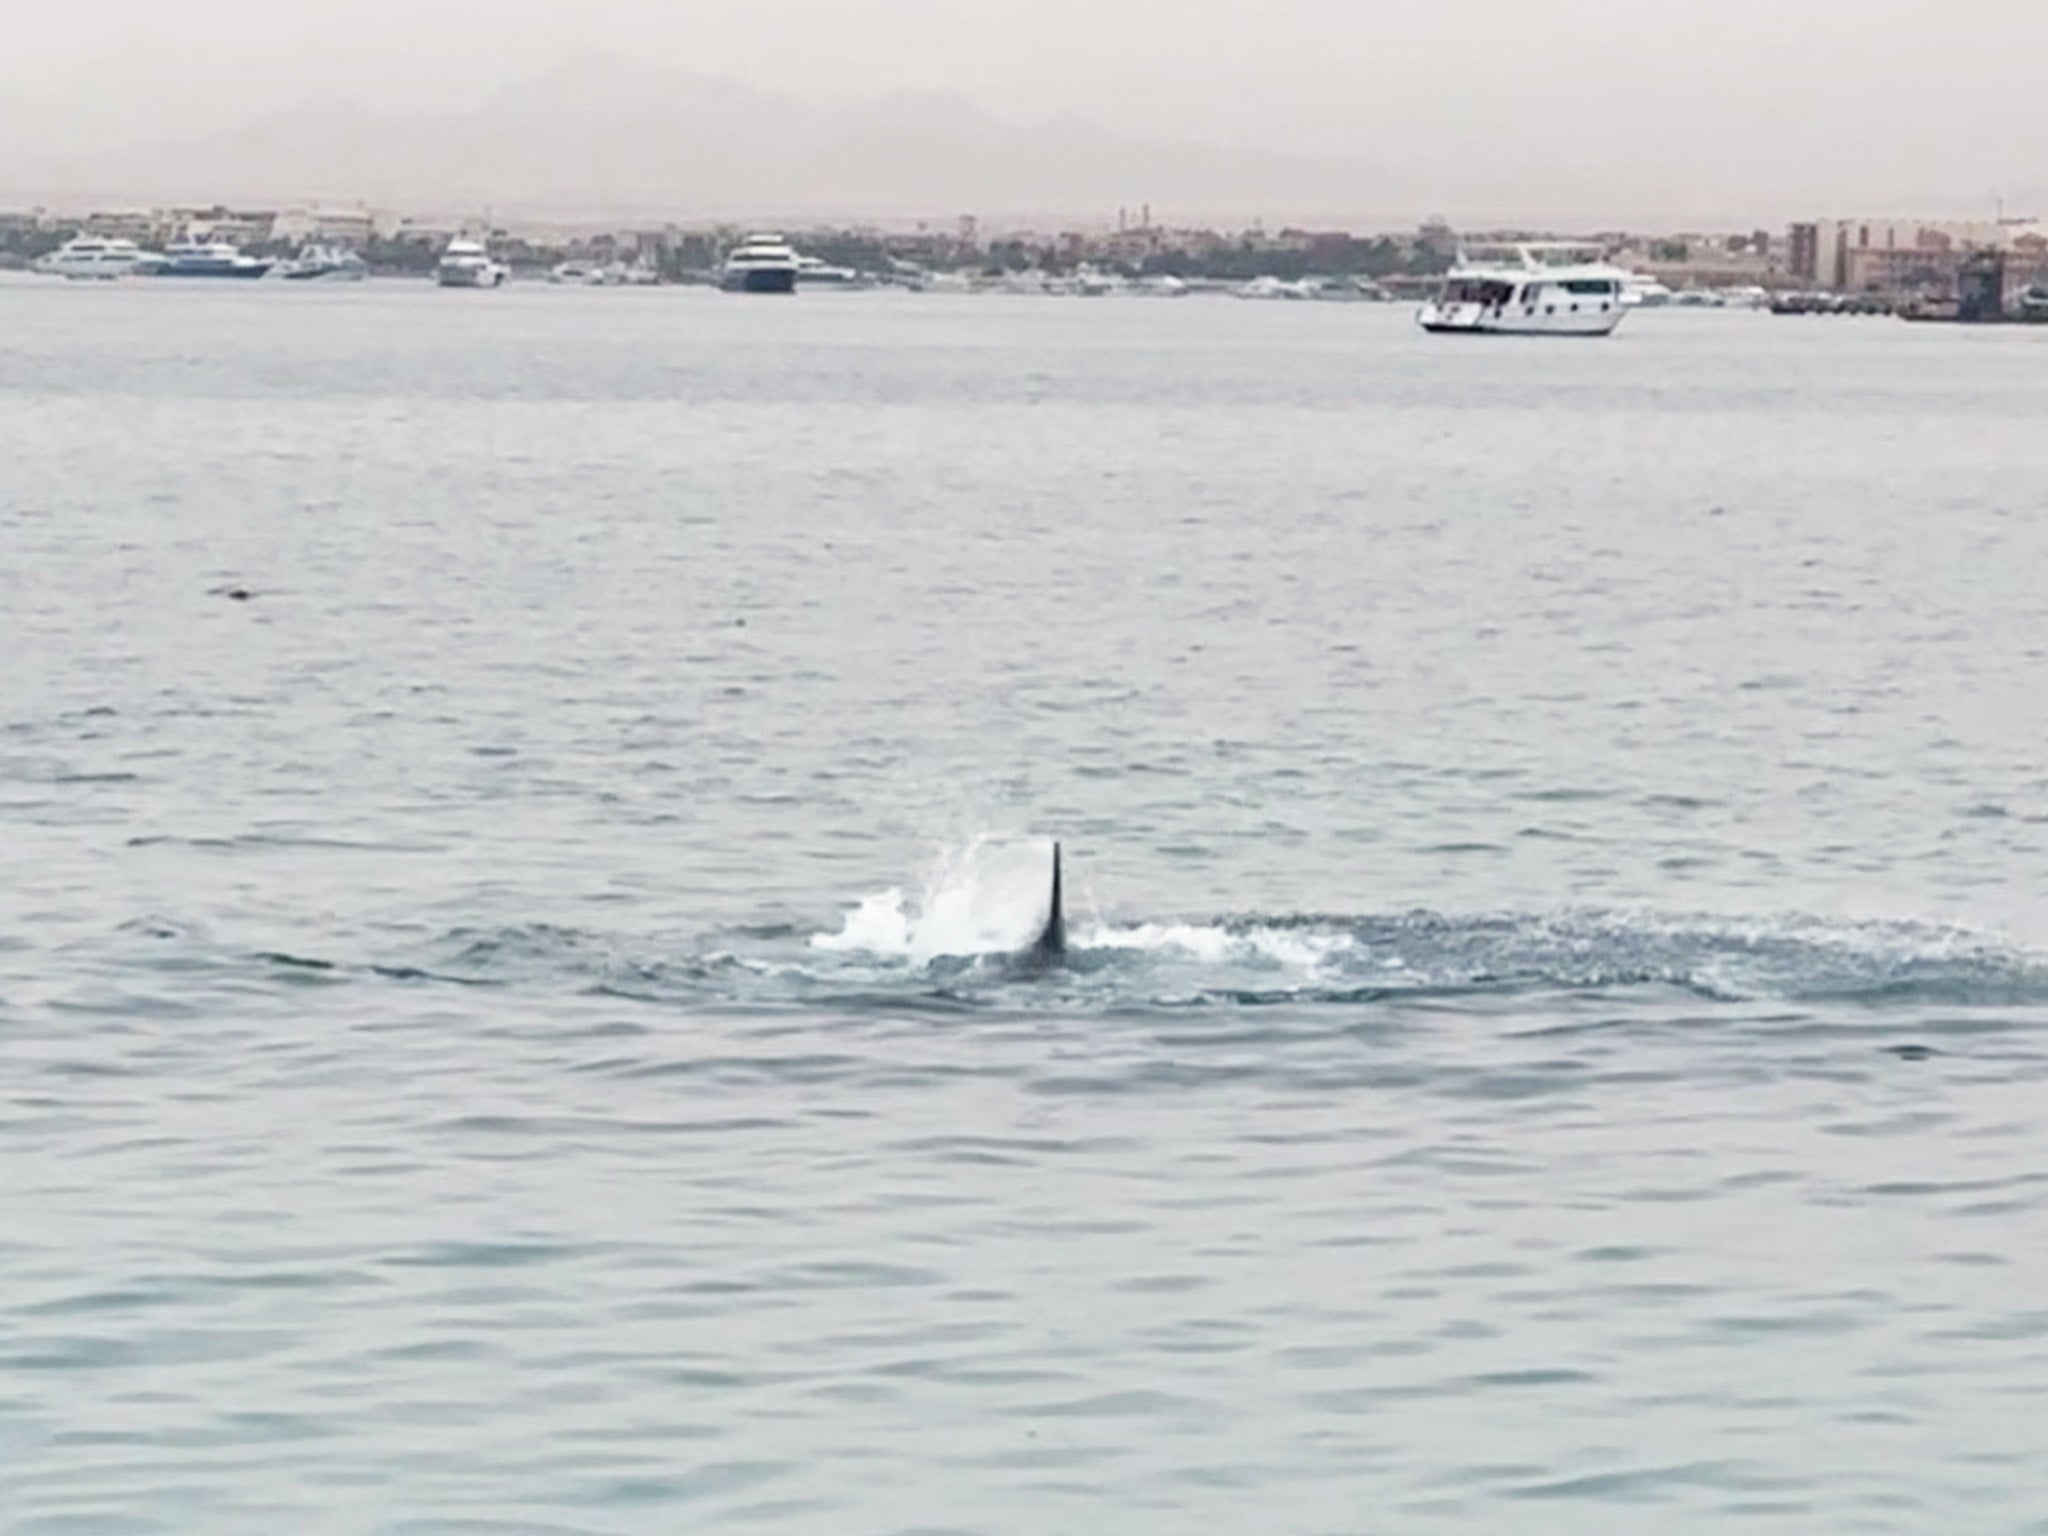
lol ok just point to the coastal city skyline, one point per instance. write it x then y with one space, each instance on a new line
1914 265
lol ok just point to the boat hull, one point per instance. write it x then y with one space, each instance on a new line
469 277
1594 319
214 269
94 274
760 280
86 259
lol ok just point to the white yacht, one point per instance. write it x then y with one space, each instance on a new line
91 256
760 264
1345 290
466 264
198 255
324 264
1528 289
811 272
579 273
1641 292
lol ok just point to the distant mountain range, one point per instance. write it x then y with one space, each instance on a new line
606 138
602 136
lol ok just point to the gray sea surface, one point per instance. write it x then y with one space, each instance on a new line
500 1031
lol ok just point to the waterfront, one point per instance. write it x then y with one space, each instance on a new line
1556 836
1919 267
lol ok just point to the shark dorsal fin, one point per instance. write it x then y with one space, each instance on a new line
1051 942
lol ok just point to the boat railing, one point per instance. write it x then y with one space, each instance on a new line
1532 255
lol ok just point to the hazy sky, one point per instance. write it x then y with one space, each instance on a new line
1656 104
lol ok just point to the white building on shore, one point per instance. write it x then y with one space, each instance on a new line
350 227
1856 255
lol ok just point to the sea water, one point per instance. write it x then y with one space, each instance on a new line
499 1030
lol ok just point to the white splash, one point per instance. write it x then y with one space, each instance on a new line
987 896
1287 948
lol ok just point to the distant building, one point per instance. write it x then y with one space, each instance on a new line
351 227
924 247
142 225
1438 238
1701 260
1131 244
1858 255
1980 287
236 226
434 232
1882 269
1802 252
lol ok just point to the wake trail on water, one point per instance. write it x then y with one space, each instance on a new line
889 952
949 940
983 899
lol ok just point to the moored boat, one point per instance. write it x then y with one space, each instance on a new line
197 256
1642 292
811 272
760 264
1530 289
92 257
467 264
324 264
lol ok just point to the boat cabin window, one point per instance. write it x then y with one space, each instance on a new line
1475 290
1600 286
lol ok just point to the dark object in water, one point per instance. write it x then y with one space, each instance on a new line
1050 947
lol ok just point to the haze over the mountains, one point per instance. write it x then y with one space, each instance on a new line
1554 111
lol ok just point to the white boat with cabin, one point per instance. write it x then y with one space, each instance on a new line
88 257
198 255
1344 290
1531 288
467 263
587 274
195 254
760 264
1641 292
1267 288
323 264
813 272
